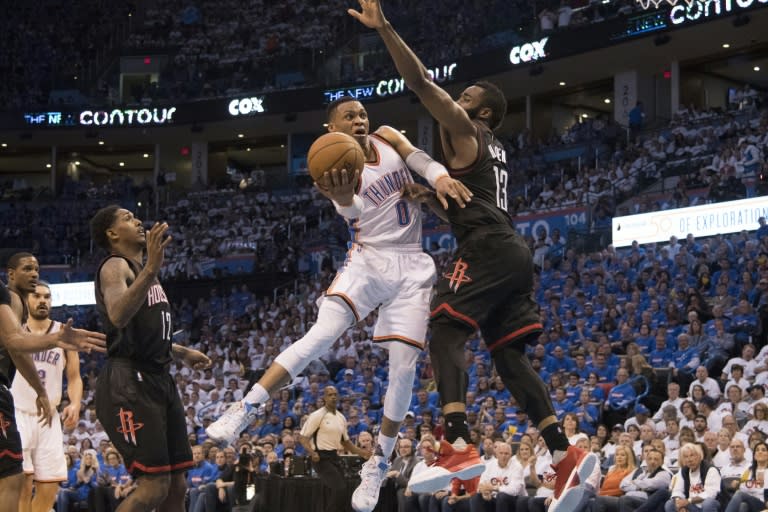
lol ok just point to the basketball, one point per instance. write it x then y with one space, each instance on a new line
334 150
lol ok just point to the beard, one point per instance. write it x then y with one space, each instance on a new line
472 112
39 315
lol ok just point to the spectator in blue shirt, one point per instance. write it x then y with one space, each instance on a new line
660 356
561 404
605 373
744 322
573 387
620 398
274 426
113 484
200 475
587 413
80 482
559 362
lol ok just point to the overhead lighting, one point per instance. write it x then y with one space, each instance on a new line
584 116
146 155
247 149
47 166
607 100
402 131
101 143
325 125
282 145
726 45
562 84
4 145
121 164
77 162
240 135
756 68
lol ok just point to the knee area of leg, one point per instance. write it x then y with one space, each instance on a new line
154 490
333 313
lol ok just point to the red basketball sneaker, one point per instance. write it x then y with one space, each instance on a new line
571 474
460 461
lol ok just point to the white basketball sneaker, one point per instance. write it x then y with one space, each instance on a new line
366 496
227 428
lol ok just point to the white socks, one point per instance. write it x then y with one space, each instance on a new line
387 444
257 395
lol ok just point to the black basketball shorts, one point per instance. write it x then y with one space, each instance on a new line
489 287
10 439
144 418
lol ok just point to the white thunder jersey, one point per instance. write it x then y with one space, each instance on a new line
50 367
386 220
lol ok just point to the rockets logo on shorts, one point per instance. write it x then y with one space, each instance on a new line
128 427
4 424
459 275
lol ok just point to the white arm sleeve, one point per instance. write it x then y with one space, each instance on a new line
352 211
423 165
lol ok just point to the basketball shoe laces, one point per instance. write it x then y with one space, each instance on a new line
371 475
236 419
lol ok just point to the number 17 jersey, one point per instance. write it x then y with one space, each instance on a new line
146 339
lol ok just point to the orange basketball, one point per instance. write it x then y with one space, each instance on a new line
334 150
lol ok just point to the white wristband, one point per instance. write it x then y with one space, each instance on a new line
351 211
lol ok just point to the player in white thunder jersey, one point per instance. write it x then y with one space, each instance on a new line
44 463
385 268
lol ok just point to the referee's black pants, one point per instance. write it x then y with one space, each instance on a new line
331 475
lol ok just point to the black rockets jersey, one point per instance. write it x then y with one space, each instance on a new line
146 340
486 178
6 364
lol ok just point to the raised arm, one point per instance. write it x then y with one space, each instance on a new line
123 301
439 103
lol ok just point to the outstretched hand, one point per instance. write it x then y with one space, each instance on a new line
447 186
371 15
157 241
81 340
195 359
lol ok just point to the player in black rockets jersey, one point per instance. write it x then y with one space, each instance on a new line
490 285
23 271
14 339
136 398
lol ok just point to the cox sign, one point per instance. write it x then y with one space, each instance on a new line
528 52
247 106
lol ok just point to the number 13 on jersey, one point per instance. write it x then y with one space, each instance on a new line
501 187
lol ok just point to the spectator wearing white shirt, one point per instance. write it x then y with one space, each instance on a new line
747 362
673 398
501 482
751 485
711 388
759 421
697 483
427 451
737 464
